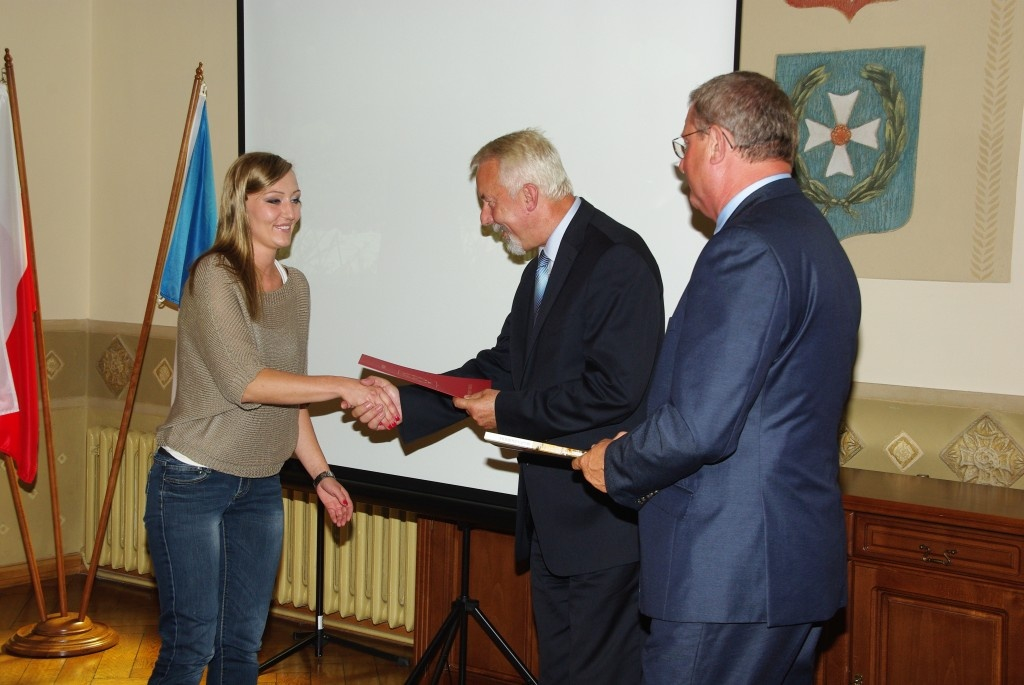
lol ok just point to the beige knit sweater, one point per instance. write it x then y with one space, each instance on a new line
220 350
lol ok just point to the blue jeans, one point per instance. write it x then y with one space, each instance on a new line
215 540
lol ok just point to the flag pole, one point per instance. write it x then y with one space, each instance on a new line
140 352
26 537
57 634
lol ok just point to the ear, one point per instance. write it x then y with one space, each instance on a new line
718 145
531 196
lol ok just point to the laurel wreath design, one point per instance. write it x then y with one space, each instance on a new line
895 107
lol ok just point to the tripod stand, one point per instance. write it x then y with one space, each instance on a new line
457 622
319 637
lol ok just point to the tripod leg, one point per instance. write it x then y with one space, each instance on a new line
445 636
458 620
503 646
447 650
280 656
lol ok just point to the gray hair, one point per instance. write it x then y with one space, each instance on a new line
754 108
525 157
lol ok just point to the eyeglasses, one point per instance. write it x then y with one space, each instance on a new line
679 144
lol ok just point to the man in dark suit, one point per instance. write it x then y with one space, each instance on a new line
571 371
735 470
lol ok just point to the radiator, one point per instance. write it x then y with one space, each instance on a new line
369 566
124 545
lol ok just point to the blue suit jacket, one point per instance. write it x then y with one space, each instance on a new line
741 439
576 375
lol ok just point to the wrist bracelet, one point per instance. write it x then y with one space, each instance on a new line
325 474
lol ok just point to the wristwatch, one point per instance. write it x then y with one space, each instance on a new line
325 474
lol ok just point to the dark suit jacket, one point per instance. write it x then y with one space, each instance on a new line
742 438
578 374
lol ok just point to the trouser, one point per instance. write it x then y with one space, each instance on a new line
733 653
215 541
588 625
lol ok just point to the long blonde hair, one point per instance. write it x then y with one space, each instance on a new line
250 173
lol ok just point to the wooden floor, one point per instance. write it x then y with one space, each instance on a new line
132 612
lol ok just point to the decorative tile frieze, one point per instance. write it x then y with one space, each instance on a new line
984 453
115 366
849 443
54 365
164 372
903 451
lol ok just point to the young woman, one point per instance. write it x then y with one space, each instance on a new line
213 514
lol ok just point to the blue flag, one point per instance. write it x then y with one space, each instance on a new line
196 223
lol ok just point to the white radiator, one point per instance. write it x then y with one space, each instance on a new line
369 566
124 545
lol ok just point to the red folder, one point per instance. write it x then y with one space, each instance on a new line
449 385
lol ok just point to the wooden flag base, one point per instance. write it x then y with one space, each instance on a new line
61 636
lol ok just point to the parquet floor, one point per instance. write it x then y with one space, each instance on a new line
132 612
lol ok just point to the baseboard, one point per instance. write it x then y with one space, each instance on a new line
18 574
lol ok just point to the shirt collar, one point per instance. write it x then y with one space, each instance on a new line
739 197
551 246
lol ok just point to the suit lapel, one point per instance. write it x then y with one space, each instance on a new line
567 252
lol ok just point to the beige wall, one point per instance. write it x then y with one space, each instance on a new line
144 57
51 48
103 87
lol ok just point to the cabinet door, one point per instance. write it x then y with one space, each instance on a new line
911 627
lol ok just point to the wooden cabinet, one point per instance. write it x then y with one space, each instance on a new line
936 584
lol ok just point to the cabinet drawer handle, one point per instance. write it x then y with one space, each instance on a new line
945 559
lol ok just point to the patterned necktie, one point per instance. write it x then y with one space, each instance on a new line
543 267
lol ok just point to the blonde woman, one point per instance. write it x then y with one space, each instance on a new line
213 515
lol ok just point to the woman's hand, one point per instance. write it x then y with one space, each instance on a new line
384 409
336 500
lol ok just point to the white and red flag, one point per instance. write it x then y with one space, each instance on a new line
19 384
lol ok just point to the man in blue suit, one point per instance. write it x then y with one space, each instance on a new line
735 470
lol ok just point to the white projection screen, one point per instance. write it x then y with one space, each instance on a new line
381 105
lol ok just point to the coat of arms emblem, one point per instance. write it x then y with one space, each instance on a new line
858 113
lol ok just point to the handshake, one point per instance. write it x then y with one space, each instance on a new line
377 404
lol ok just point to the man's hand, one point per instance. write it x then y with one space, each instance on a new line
480 407
592 463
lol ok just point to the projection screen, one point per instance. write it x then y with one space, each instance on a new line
380 106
